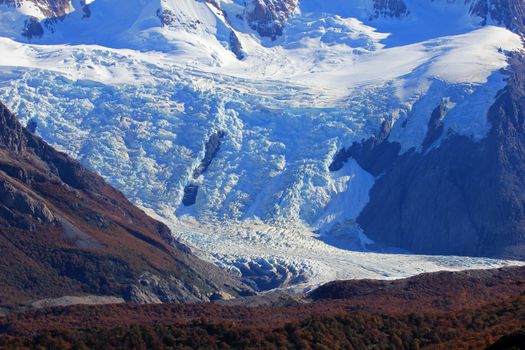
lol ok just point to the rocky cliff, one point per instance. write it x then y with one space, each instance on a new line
33 18
47 8
65 232
463 197
456 196
269 17
390 8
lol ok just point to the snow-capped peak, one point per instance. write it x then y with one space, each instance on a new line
101 21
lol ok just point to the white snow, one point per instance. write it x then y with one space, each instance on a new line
351 186
137 102
305 257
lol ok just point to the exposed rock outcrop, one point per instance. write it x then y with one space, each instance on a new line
374 155
167 18
463 197
15 200
210 151
46 14
236 46
390 8
190 195
269 17
48 8
435 125
32 28
32 125
507 13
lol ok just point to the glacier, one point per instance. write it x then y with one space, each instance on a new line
137 102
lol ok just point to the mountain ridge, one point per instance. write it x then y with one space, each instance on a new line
483 173
267 19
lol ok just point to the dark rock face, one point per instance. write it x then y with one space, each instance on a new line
463 197
211 149
32 125
435 125
13 200
86 10
268 17
167 18
509 13
49 8
236 46
53 11
32 28
190 195
12 133
390 8
374 155
65 231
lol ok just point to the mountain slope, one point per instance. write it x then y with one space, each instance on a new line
462 197
232 135
65 232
